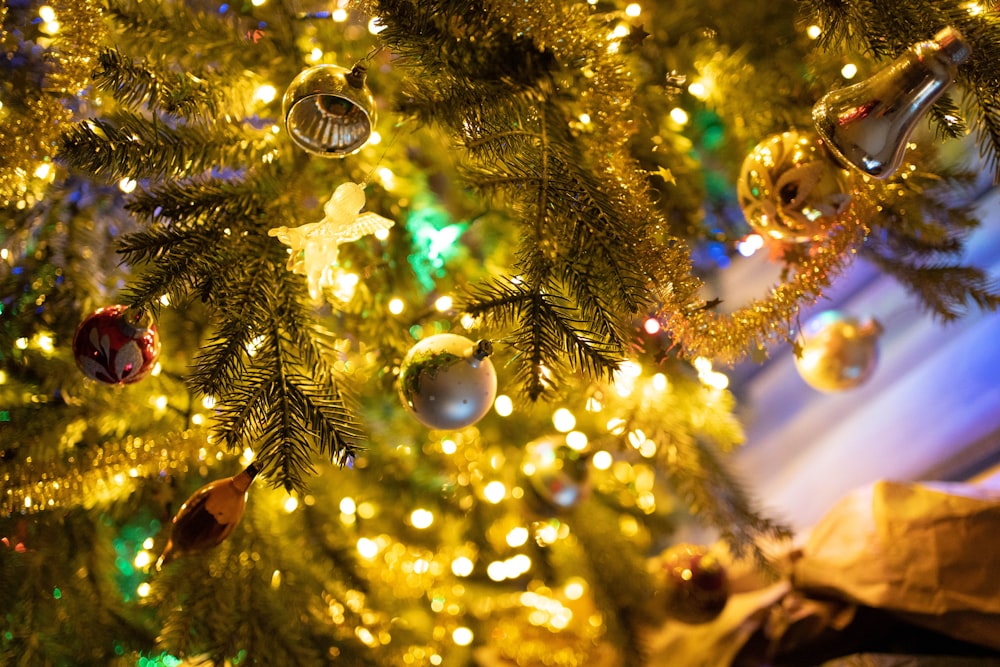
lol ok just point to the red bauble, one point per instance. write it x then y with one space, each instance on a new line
115 347
694 583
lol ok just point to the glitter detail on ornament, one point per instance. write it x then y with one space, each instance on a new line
116 345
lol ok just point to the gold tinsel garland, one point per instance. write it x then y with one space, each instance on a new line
29 132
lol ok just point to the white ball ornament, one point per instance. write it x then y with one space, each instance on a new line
447 381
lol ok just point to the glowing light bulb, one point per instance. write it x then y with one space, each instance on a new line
43 170
367 548
563 420
651 326
698 90
494 492
633 10
143 589
291 504
517 536
462 636
265 93
849 71
462 566
503 405
348 506
679 116
443 304
449 446
339 15
142 559
421 518
127 185
396 306
375 25
577 440
813 32
601 460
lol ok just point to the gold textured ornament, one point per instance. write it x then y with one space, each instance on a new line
329 110
791 189
209 516
837 352
314 245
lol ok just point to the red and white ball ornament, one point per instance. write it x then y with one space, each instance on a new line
116 345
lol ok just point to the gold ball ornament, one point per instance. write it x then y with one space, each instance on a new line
692 582
837 352
558 476
329 110
447 381
791 189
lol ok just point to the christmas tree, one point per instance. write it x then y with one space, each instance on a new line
226 228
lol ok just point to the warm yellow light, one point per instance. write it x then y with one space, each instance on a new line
449 446
616 425
563 420
652 326
633 10
339 15
813 32
849 71
660 382
443 304
575 588
50 27
517 536
367 548
147 543
157 369
494 492
396 306
127 185
594 404
698 90
348 506
577 440
43 170
160 402
462 636
315 55
375 25
462 566
421 518
265 93
679 116
142 559
366 510
46 13
291 504
45 342
601 460
547 534
257 3
143 589
3 376
496 571
585 118
503 405
621 30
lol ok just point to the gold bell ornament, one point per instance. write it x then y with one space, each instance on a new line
329 110
209 516
837 352
867 125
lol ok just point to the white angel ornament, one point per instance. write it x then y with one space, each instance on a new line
314 245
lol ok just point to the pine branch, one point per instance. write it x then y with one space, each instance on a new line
945 290
163 90
207 199
125 145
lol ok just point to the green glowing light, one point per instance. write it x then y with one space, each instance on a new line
435 239
56 593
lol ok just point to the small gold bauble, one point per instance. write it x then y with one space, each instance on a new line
790 188
838 352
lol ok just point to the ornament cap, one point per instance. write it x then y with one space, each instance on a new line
952 45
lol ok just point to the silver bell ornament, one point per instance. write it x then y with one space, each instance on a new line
791 189
558 476
329 111
867 125
447 381
838 352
